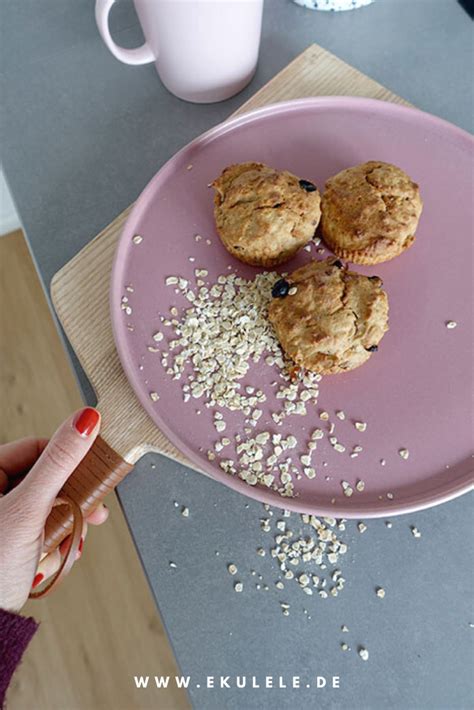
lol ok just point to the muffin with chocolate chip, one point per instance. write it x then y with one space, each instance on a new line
264 216
370 212
329 319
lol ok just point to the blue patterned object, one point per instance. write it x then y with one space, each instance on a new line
333 5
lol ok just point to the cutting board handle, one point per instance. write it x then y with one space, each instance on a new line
99 472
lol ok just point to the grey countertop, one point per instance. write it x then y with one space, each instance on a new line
81 136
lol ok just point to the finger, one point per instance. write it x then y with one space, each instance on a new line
99 515
48 566
50 563
18 456
65 450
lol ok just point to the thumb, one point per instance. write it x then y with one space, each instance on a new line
65 450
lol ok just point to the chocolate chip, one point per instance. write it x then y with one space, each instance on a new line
280 289
338 263
372 349
308 186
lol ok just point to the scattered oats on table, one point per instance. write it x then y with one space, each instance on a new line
414 531
380 592
238 586
363 653
451 324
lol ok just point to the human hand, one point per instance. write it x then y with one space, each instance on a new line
25 505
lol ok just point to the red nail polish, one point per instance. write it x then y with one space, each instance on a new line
37 580
86 421
81 545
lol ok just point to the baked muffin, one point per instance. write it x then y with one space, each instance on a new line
329 319
264 216
370 212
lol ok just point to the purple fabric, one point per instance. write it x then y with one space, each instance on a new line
15 634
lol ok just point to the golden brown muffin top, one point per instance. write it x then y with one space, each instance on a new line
264 215
371 209
334 320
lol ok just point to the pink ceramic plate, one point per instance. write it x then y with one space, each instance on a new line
415 393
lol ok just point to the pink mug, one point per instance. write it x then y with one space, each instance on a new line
204 50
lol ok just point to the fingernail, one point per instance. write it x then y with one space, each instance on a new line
37 580
81 545
86 421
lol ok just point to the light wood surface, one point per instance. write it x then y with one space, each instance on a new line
37 382
102 626
80 289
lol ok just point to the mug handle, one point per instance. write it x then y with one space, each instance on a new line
141 55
